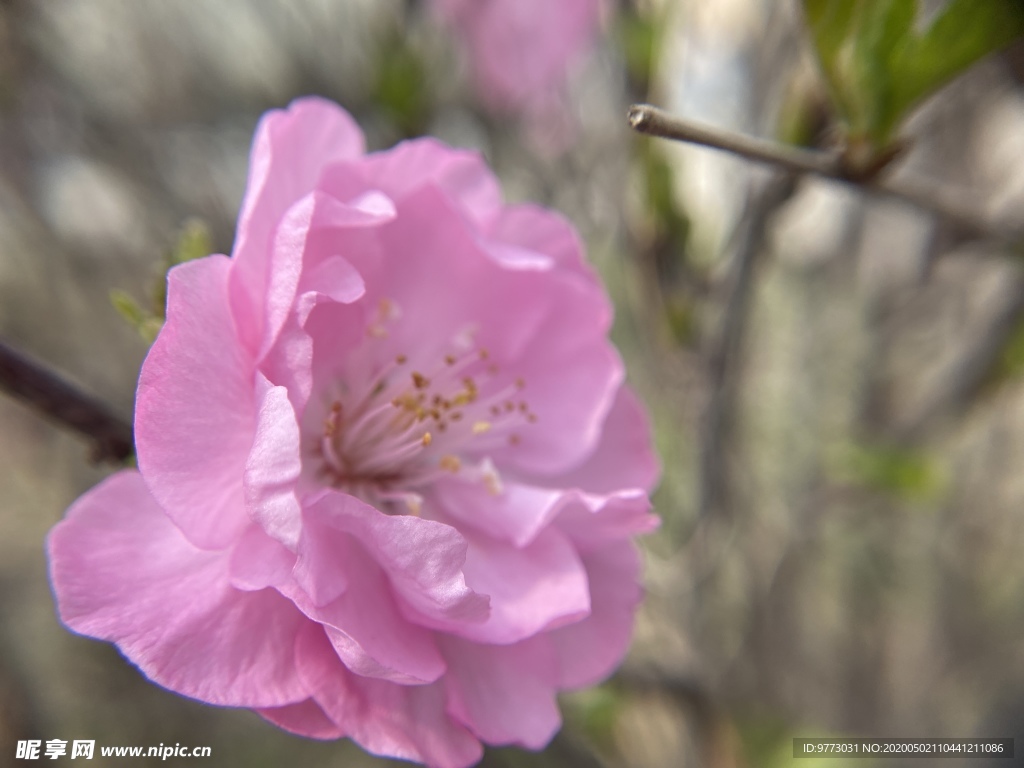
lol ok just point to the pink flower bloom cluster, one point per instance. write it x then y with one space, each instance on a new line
389 473
522 50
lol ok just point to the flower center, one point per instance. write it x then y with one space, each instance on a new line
414 423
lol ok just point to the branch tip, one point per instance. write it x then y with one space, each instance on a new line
954 206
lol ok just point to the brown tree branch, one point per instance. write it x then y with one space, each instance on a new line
652 121
55 397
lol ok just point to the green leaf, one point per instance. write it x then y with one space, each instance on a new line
127 306
857 42
194 242
963 33
886 28
833 28
639 39
401 87
593 712
146 323
878 67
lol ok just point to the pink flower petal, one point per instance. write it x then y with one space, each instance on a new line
521 50
520 512
311 228
123 572
337 279
591 522
461 174
504 693
516 515
589 650
259 561
360 612
406 722
570 354
322 569
289 154
390 473
274 466
624 457
536 229
322 332
305 719
532 588
557 344
195 413
423 559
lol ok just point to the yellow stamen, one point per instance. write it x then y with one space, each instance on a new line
493 484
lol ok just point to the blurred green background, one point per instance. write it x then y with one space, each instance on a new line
837 394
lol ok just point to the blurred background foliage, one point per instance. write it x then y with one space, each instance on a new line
834 377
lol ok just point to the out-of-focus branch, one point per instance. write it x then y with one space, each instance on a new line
750 245
53 396
968 378
652 121
714 728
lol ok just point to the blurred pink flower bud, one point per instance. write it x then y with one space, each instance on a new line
522 51
389 473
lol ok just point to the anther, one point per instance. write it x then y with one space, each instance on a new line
493 483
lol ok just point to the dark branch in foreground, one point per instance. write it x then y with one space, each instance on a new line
656 122
53 396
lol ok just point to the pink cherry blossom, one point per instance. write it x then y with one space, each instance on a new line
389 473
522 50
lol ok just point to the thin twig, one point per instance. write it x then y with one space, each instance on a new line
656 122
52 395
750 246
652 121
